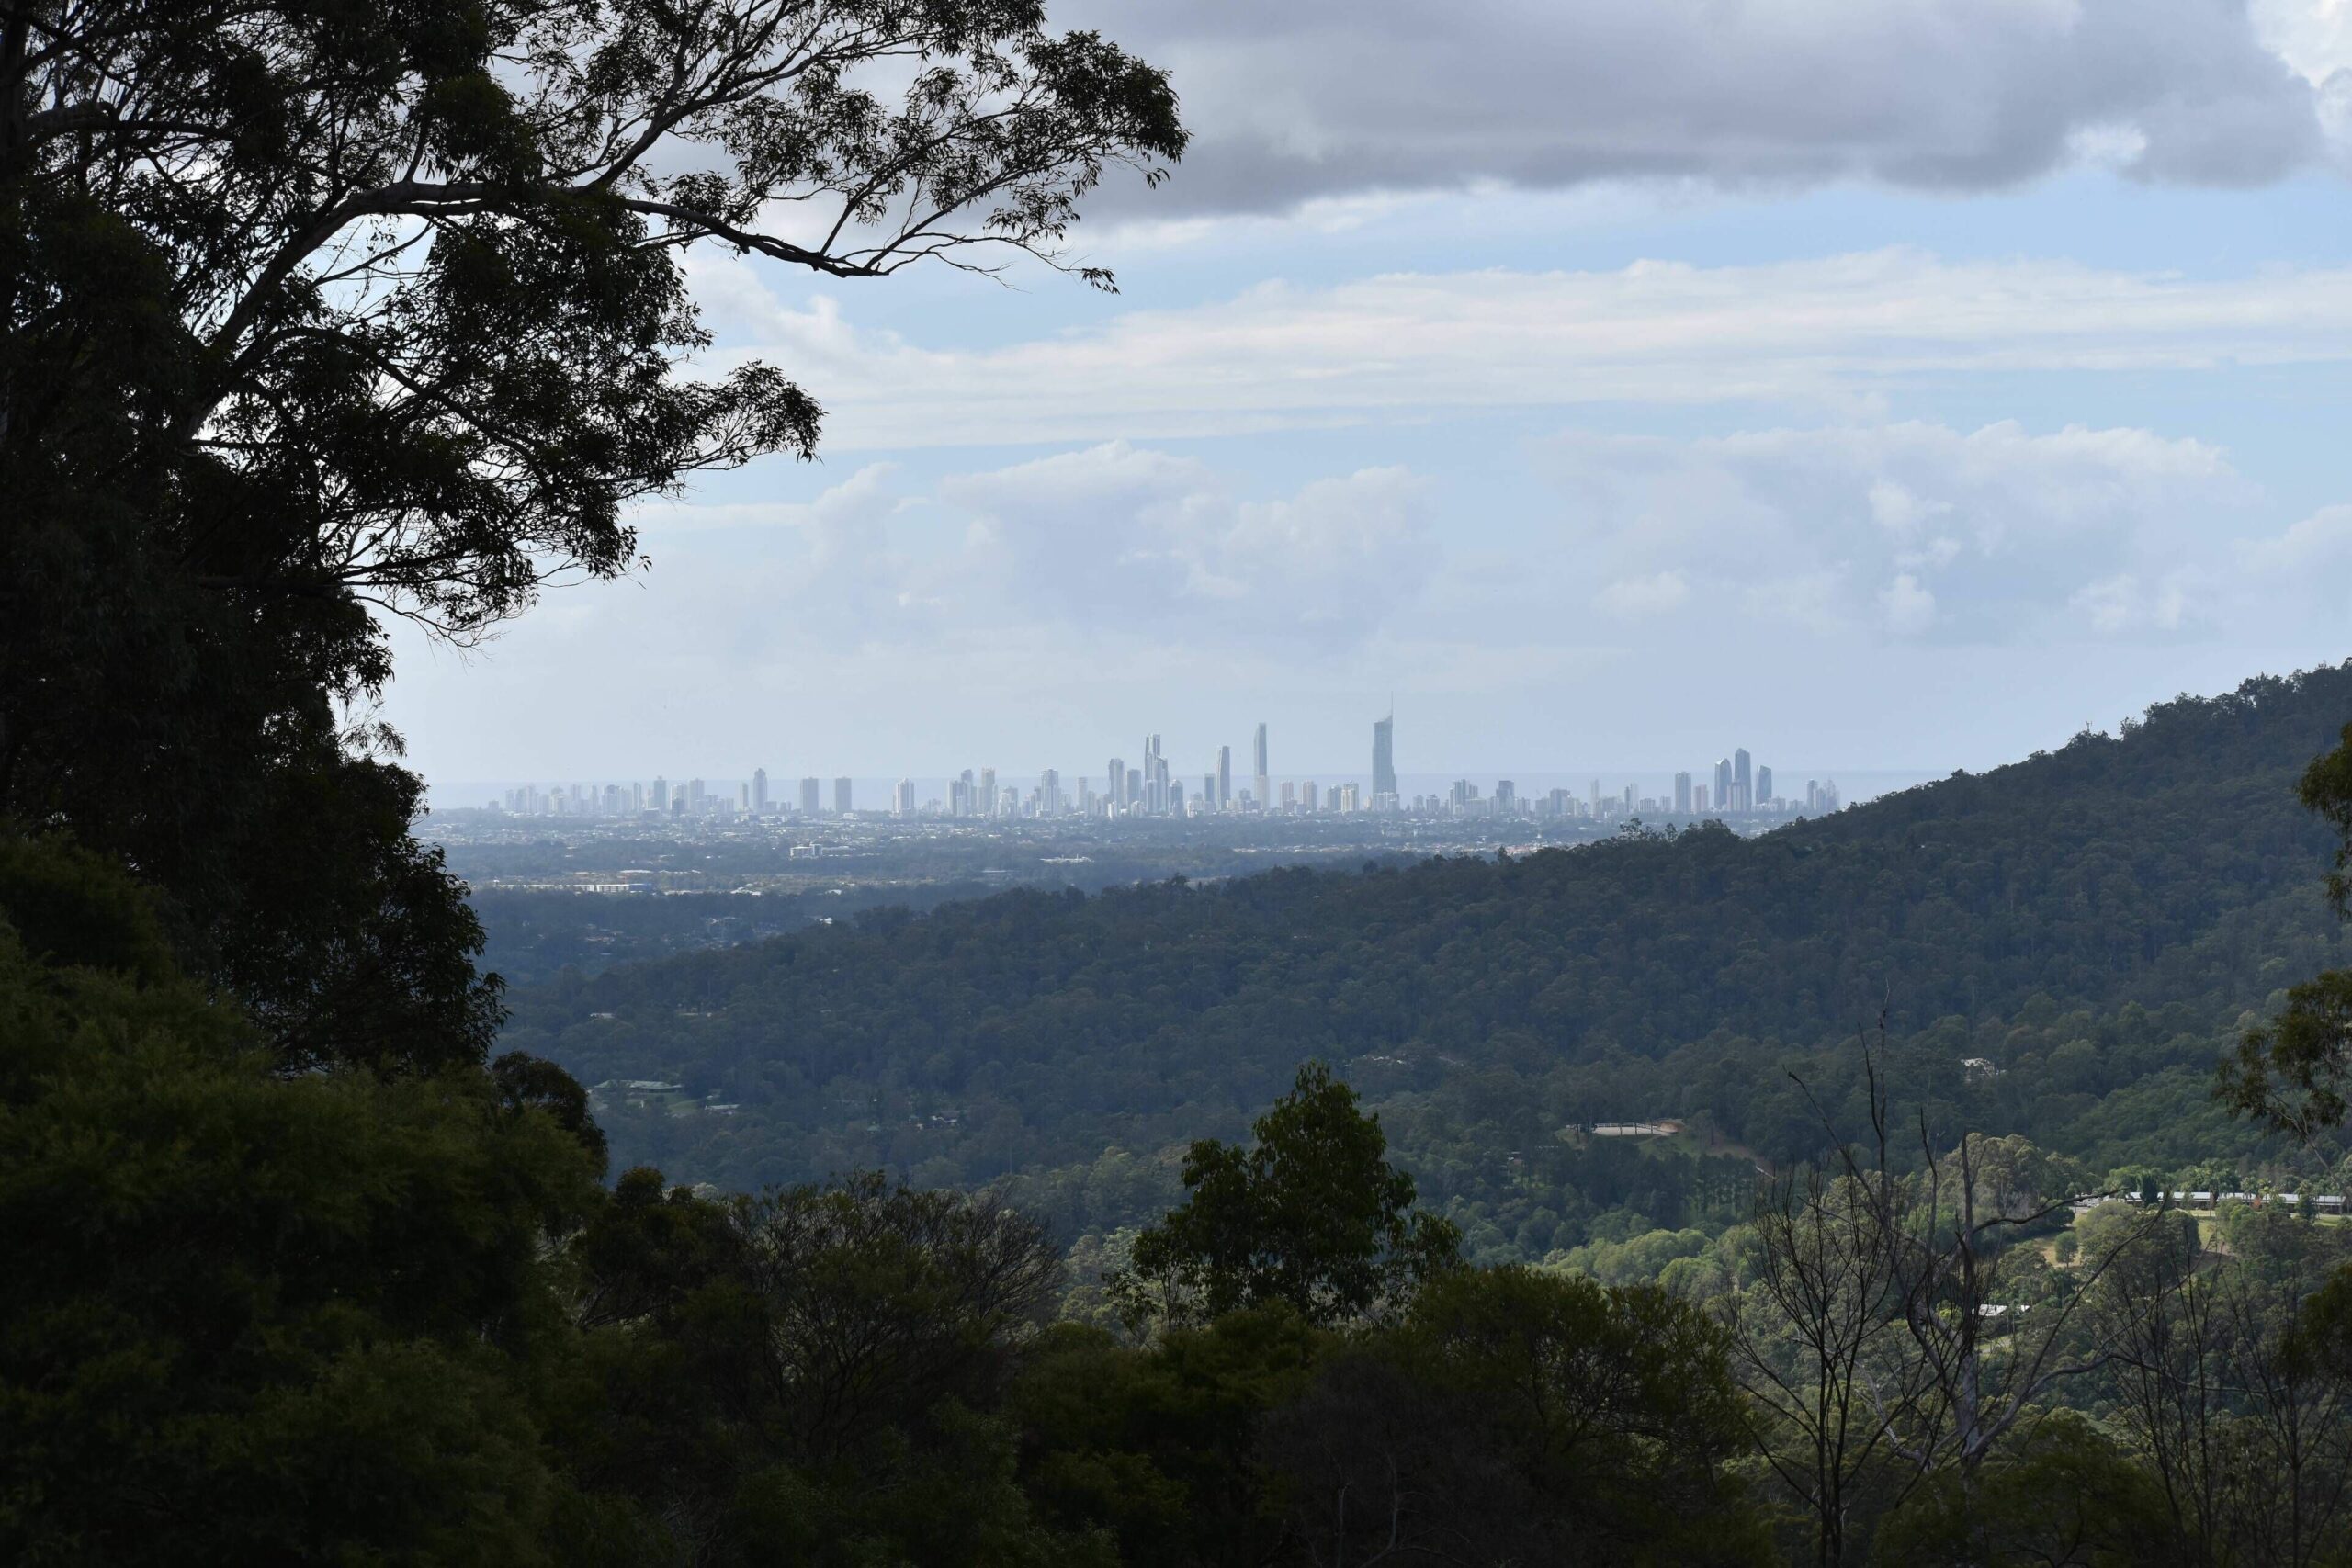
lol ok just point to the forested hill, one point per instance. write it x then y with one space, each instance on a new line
2168 865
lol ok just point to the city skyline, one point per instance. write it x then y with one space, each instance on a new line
1154 788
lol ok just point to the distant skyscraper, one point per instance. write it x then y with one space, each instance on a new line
760 790
1117 792
1682 795
1763 788
1208 792
1723 784
1384 761
1265 783
1506 799
840 797
1049 792
1224 801
1742 782
987 792
1306 797
902 800
661 793
810 796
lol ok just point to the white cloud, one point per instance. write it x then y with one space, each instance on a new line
2320 543
1810 600
1830 331
2314 37
2127 603
1115 543
1632 598
1910 530
1895 509
1125 537
828 567
1321 98
1905 607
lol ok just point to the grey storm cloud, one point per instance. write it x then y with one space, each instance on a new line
1315 98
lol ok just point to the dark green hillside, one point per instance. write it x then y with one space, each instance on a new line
2169 867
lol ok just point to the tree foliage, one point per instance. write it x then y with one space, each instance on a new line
313 314
1310 1214
1515 1416
257 1319
2095 923
2292 1070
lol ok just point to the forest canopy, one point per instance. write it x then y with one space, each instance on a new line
2092 924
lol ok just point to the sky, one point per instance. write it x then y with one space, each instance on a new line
1897 385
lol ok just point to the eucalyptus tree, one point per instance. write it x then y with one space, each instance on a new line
314 314
2293 1071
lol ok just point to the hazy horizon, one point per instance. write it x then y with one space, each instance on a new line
871 791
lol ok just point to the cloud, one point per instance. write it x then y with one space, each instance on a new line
1115 543
2320 543
2314 37
1910 530
1633 598
1905 607
829 567
2306 571
1814 601
1834 331
1323 98
1118 536
2127 603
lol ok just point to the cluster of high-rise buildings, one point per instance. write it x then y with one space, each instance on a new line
1689 800
1741 788
1152 788
690 797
